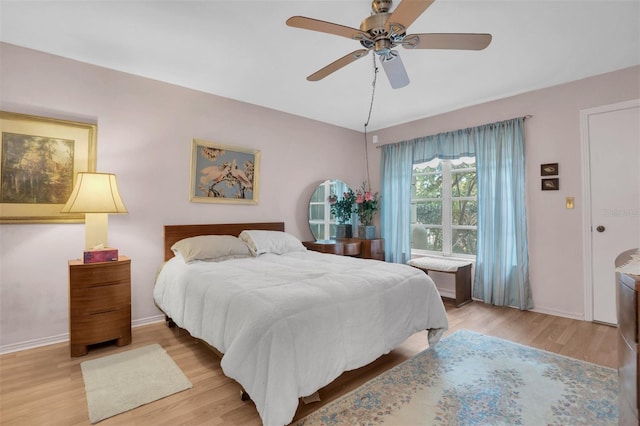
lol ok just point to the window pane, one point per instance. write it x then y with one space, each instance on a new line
428 186
464 212
463 184
316 211
429 212
318 195
464 241
425 238
317 228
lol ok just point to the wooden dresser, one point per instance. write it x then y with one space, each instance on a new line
366 249
99 303
628 310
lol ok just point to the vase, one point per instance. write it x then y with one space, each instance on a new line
344 231
367 232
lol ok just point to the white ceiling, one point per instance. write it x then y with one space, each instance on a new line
243 50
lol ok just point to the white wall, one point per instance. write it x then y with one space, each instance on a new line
145 129
551 135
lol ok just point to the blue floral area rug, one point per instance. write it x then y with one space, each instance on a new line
472 379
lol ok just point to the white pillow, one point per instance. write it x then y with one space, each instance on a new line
212 248
277 242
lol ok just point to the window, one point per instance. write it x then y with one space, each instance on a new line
444 207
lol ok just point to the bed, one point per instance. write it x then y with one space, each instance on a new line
288 321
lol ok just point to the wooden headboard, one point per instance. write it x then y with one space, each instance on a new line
175 233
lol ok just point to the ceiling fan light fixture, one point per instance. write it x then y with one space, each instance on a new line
394 68
383 47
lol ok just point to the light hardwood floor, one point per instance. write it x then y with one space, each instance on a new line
44 386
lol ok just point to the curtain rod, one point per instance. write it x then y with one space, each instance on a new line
525 117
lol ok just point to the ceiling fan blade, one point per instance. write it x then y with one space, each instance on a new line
336 65
467 41
394 68
406 12
326 27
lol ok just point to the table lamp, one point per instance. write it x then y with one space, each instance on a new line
96 195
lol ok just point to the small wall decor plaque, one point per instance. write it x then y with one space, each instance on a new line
550 169
551 184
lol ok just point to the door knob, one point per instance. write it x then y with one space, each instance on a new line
600 228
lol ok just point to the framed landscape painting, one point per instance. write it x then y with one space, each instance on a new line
223 174
39 159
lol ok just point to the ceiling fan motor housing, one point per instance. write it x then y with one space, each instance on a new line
381 41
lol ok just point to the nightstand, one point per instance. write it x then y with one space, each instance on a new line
372 249
366 249
340 247
99 303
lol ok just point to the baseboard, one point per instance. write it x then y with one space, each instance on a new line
570 315
35 343
148 320
60 338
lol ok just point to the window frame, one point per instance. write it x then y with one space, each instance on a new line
447 199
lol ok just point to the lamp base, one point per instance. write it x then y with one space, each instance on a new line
95 228
106 254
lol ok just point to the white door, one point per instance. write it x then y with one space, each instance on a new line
613 148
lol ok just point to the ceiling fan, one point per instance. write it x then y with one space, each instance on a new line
382 31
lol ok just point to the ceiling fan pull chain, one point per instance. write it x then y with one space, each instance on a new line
373 94
373 91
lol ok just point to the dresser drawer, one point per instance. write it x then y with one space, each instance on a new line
627 313
99 274
96 328
92 300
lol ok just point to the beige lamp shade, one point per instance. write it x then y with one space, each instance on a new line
96 195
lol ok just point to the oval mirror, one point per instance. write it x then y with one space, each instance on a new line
322 224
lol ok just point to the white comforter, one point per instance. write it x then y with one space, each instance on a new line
290 324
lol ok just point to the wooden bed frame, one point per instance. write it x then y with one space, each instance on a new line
175 233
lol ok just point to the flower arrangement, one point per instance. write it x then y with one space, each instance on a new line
367 204
343 208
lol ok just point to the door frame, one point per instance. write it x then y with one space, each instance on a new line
587 246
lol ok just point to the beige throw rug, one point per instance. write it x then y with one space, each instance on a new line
118 383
